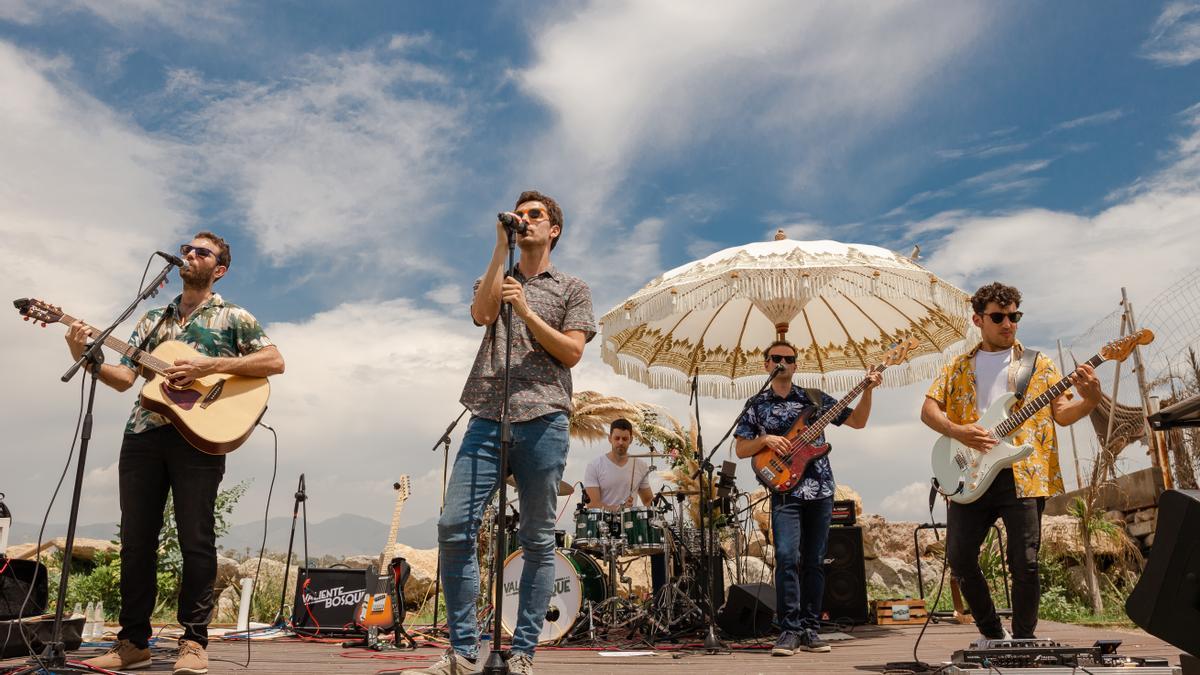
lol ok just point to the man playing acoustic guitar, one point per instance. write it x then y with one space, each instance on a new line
953 405
800 519
155 458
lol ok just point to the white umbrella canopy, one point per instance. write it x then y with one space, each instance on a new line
842 305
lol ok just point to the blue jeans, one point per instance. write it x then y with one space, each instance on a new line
801 531
536 460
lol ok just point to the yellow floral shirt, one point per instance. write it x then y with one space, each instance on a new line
1038 475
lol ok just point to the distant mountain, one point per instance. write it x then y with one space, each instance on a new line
342 535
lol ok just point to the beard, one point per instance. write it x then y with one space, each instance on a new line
196 279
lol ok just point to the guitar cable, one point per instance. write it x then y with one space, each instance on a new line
263 547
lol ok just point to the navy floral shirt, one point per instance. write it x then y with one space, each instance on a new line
771 414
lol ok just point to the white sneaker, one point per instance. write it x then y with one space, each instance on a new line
451 663
520 663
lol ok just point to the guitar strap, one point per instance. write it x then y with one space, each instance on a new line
815 395
1025 372
161 320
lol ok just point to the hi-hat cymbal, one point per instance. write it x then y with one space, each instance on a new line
649 454
565 489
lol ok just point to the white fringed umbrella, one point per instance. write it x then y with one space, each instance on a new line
842 305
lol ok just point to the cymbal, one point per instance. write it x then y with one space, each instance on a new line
675 493
565 489
650 454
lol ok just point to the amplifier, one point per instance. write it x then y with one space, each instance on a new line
327 600
843 512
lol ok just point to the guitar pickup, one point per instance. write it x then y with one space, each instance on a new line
213 395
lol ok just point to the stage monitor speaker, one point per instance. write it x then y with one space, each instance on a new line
845 577
1166 600
749 610
327 599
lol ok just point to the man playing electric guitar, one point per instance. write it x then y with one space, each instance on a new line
155 458
953 405
799 519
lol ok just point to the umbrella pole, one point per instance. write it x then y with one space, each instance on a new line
496 663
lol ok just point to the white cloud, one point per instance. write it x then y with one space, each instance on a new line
1175 37
1091 120
210 20
908 503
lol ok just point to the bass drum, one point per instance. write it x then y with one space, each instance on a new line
577 577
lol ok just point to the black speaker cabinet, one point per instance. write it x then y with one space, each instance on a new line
749 610
327 599
845 577
1166 600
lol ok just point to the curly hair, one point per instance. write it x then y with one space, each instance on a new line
556 216
223 256
995 292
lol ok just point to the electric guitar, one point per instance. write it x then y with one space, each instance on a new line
215 413
964 474
780 472
379 610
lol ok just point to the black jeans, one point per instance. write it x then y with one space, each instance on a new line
151 462
801 533
967 525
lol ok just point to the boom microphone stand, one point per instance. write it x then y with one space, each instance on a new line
301 500
444 442
496 664
708 527
53 658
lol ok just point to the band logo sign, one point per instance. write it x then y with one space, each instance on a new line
337 596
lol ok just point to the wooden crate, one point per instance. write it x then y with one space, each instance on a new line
899 612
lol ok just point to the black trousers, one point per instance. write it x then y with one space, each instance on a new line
967 527
151 463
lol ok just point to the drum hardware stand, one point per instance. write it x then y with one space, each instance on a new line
444 442
53 658
496 663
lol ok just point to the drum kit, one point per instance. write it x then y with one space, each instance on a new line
590 568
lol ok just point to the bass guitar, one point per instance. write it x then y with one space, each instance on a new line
781 471
215 413
963 474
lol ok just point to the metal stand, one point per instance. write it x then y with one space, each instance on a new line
301 499
444 442
496 663
921 579
53 658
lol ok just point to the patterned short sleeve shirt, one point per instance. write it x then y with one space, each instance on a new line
215 328
539 383
771 414
1038 475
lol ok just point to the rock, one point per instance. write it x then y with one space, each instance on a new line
423 562
228 573
754 570
361 562
898 576
227 605
761 513
882 539
760 548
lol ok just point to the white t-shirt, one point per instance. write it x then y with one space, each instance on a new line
616 483
991 377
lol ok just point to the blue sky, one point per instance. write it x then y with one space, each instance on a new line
354 154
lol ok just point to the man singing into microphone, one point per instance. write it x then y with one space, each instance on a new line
552 320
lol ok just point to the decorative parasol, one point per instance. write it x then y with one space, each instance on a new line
842 305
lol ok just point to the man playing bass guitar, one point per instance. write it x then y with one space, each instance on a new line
800 519
967 386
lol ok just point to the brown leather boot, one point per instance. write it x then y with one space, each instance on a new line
193 660
123 656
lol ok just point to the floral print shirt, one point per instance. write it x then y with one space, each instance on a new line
215 328
1038 475
771 414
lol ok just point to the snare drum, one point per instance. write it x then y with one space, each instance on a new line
642 530
596 528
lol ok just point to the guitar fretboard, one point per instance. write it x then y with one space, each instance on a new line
123 348
813 432
1017 418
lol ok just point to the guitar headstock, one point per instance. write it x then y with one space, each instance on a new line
38 311
898 354
403 488
1119 349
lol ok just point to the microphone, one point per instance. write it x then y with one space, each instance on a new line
511 222
778 369
174 260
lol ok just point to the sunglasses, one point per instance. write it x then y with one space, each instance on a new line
198 250
998 317
780 358
531 214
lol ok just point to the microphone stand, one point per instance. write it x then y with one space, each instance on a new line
496 663
708 528
444 442
301 499
53 658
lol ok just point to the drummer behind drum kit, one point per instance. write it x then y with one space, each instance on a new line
589 568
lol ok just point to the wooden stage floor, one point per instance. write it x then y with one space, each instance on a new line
869 650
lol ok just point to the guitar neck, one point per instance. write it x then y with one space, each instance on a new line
1018 417
816 428
123 348
389 551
